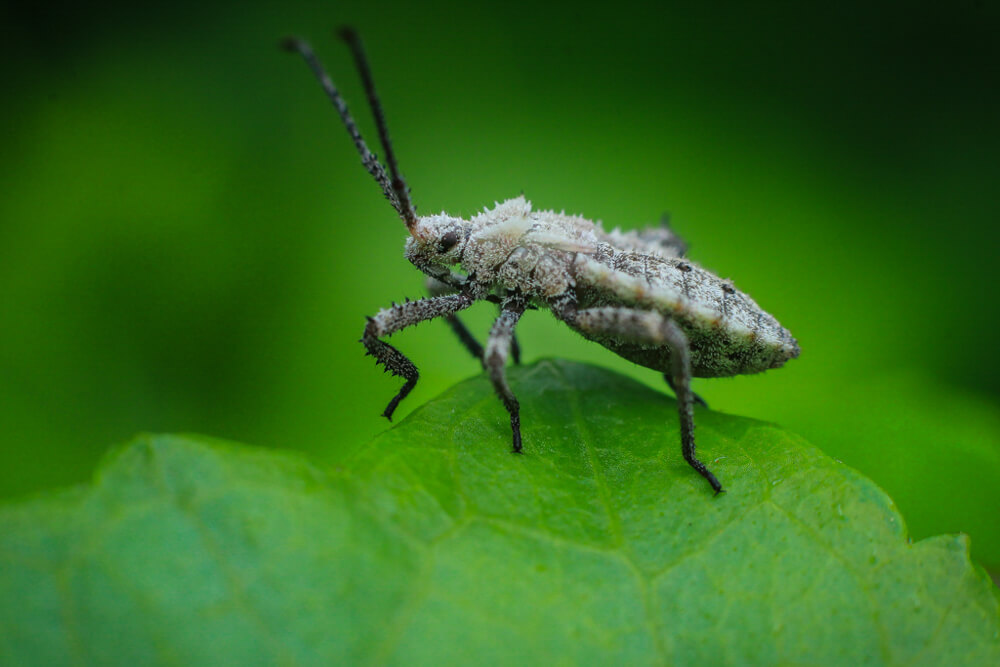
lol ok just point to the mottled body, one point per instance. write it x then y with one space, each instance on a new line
632 292
550 257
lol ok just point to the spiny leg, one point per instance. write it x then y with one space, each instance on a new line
680 368
515 348
399 316
436 287
670 383
465 337
643 326
473 346
497 348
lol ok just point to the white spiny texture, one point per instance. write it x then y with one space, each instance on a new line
544 254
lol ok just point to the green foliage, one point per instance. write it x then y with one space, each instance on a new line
933 447
435 544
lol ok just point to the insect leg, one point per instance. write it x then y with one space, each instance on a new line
643 326
670 383
465 337
515 350
435 287
438 288
497 348
680 368
399 316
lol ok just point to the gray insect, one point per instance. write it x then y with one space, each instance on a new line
632 292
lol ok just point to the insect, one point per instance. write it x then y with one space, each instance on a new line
632 292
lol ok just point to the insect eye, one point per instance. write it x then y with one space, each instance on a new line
447 241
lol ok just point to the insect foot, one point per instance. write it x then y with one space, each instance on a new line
399 316
635 293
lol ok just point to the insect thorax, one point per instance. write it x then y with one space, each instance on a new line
508 247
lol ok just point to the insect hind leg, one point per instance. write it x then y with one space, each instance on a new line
498 347
670 383
650 327
400 316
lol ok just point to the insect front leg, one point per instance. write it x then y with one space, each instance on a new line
400 316
497 348
643 326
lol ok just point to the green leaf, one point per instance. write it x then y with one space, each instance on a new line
436 544
934 448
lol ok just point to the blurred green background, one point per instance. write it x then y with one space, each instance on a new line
188 243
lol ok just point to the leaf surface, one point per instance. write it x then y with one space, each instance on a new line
436 544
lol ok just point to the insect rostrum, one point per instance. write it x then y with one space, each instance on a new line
632 292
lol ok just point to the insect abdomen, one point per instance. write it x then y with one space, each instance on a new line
728 333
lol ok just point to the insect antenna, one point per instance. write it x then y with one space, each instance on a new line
350 35
393 188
